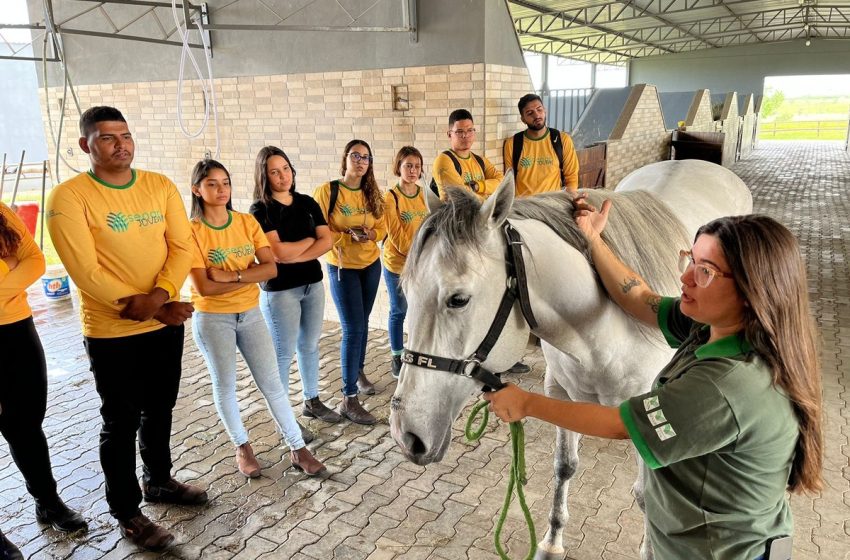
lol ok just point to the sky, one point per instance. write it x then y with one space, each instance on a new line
801 86
15 11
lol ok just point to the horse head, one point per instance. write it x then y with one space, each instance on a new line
453 280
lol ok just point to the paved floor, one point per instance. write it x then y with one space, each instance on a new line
373 504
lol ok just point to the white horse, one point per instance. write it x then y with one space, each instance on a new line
456 274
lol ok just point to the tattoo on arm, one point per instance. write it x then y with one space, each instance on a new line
630 283
654 302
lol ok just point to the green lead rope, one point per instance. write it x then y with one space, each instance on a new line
517 480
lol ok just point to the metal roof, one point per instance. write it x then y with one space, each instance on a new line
613 32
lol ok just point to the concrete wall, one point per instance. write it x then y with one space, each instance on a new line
20 115
741 69
639 137
449 32
728 124
748 119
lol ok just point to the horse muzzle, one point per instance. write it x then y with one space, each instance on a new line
415 448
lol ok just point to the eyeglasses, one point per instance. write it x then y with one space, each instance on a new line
703 274
357 158
463 133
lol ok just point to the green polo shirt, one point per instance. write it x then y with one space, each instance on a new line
718 440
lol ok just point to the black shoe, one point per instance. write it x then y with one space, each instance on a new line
306 434
61 517
8 551
519 367
174 492
396 365
315 408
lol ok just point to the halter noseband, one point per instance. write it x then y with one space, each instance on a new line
516 288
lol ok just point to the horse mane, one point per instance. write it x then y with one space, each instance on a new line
642 231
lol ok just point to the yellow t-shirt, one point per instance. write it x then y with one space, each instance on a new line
487 180
117 241
14 283
228 247
350 211
404 215
539 169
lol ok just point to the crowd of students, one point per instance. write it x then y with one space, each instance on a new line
124 237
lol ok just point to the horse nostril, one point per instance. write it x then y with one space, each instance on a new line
414 444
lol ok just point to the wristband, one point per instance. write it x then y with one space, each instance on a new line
238 276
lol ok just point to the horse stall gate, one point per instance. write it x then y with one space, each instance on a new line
630 123
746 111
724 106
707 146
591 166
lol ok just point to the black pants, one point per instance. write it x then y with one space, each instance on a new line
23 402
137 378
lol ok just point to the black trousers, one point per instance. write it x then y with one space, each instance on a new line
137 378
23 402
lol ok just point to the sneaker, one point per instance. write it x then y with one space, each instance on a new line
396 365
174 492
61 517
351 408
8 550
305 462
519 367
146 534
306 434
364 385
315 408
246 462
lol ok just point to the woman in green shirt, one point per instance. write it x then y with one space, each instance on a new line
735 418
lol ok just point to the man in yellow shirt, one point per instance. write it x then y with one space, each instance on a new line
460 167
542 159
123 236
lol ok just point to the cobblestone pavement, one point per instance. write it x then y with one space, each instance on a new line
373 504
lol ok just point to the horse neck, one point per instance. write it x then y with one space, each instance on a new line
573 311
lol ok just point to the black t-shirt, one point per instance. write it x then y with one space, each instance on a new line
295 222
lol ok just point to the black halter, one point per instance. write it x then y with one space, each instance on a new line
516 289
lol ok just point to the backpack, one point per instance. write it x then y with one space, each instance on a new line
334 196
555 138
456 163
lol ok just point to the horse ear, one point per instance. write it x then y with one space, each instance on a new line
495 209
432 201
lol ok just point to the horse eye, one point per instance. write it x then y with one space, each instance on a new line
458 300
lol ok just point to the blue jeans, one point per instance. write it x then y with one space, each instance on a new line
398 311
295 318
353 292
218 335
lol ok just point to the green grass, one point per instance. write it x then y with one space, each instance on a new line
48 249
804 130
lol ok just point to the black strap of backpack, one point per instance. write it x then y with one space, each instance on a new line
395 196
558 146
517 152
334 196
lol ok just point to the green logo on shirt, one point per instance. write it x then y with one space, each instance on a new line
117 221
408 216
347 210
526 162
120 222
217 256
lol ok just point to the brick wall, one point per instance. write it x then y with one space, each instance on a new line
699 117
639 137
310 116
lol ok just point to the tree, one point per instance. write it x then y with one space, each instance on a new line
773 99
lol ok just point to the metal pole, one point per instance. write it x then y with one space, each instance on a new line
17 180
43 190
3 176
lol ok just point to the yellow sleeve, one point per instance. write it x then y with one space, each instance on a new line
30 260
380 226
197 252
492 179
257 235
508 154
178 237
396 234
445 174
69 230
569 167
322 196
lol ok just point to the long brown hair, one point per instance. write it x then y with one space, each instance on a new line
770 273
371 191
200 172
262 189
9 238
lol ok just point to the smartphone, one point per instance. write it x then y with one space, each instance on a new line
358 233
779 549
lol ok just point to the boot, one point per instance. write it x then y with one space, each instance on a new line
146 534
315 408
246 461
364 385
306 434
174 492
305 462
396 365
519 367
8 551
351 408
61 517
